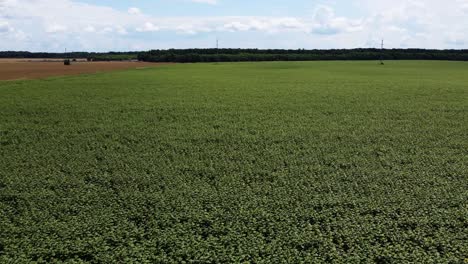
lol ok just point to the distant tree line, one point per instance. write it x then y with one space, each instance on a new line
227 55
94 56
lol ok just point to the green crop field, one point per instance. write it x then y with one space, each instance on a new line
276 162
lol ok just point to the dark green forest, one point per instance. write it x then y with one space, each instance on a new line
227 55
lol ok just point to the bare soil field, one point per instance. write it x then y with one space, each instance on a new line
13 69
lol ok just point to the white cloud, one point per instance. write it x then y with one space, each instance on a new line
463 5
90 29
236 26
266 24
148 27
456 38
5 27
134 11
107 29
46 24
56 28
11 35
211 2
326 22
412 23
121 30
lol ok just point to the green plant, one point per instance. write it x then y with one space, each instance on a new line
279 162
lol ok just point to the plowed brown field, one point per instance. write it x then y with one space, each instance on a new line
13 69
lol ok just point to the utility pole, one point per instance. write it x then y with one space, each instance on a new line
217 50
381 52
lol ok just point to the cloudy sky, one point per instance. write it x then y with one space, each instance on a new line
120 25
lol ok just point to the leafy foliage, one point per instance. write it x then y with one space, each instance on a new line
314 162
227 55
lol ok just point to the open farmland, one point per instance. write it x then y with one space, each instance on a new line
13 69
274 162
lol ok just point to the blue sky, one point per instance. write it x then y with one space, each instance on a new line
88 25
229 7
